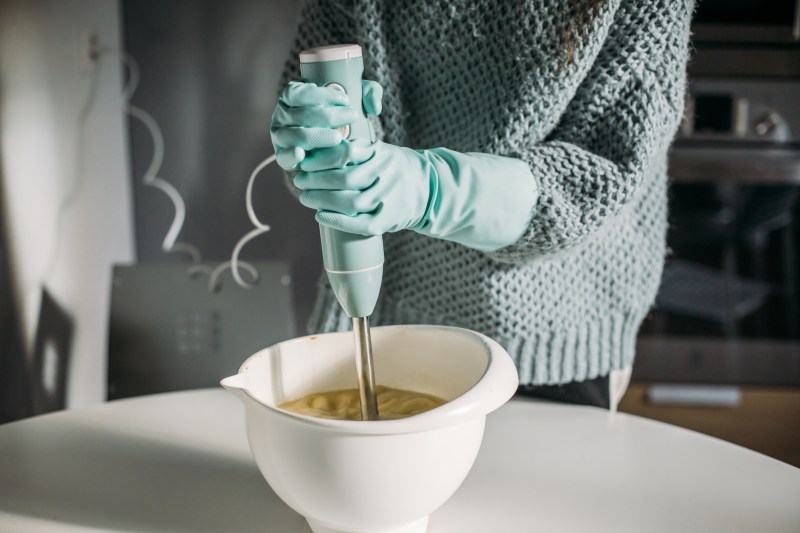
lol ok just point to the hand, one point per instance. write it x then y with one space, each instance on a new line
483 201
368 188
307 116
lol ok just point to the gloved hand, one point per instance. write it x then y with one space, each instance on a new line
373 188
482 201
307 116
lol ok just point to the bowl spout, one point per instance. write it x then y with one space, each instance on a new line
235 384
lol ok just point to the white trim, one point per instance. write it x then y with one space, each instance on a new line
330 53
358 271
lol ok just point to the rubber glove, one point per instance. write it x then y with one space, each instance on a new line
482 201
306 117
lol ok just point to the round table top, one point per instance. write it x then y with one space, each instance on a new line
180 462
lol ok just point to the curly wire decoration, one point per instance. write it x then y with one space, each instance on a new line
151 179
260 228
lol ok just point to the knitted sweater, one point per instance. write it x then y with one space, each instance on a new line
566 300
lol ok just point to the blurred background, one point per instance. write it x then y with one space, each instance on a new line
93 308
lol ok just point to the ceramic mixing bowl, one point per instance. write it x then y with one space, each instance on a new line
382 476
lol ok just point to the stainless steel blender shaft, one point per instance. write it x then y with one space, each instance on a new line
366 373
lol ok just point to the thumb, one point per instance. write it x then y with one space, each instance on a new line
371 96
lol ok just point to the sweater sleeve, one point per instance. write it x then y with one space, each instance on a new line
621 118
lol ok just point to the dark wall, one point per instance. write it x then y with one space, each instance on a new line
209 75
14 374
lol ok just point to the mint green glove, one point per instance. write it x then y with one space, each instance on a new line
307 116
482 201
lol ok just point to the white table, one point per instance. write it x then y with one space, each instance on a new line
180 462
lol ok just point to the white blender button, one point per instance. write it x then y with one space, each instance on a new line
344 130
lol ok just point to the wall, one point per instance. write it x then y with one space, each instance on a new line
63 152
210 74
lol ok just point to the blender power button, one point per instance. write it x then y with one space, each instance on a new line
344 130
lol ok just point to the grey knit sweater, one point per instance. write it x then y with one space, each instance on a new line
594 124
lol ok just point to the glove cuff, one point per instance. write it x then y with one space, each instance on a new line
482 201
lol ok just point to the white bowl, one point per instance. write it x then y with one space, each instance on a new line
378 476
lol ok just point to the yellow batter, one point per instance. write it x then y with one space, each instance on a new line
345 404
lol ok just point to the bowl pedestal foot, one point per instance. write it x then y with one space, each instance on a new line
418 526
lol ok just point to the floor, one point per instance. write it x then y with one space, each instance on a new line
767 420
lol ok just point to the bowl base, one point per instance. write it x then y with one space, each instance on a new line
417 526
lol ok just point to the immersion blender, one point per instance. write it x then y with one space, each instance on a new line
353 263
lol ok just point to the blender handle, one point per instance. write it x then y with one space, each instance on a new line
354 263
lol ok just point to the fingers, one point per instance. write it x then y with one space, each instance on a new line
358 177
362 224
289 158
300 94
305 138
304 121
372 93
350 203
313 117
342 155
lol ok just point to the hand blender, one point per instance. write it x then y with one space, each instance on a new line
354 263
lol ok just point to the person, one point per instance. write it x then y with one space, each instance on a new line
521 173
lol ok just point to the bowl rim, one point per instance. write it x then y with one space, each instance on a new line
477 401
